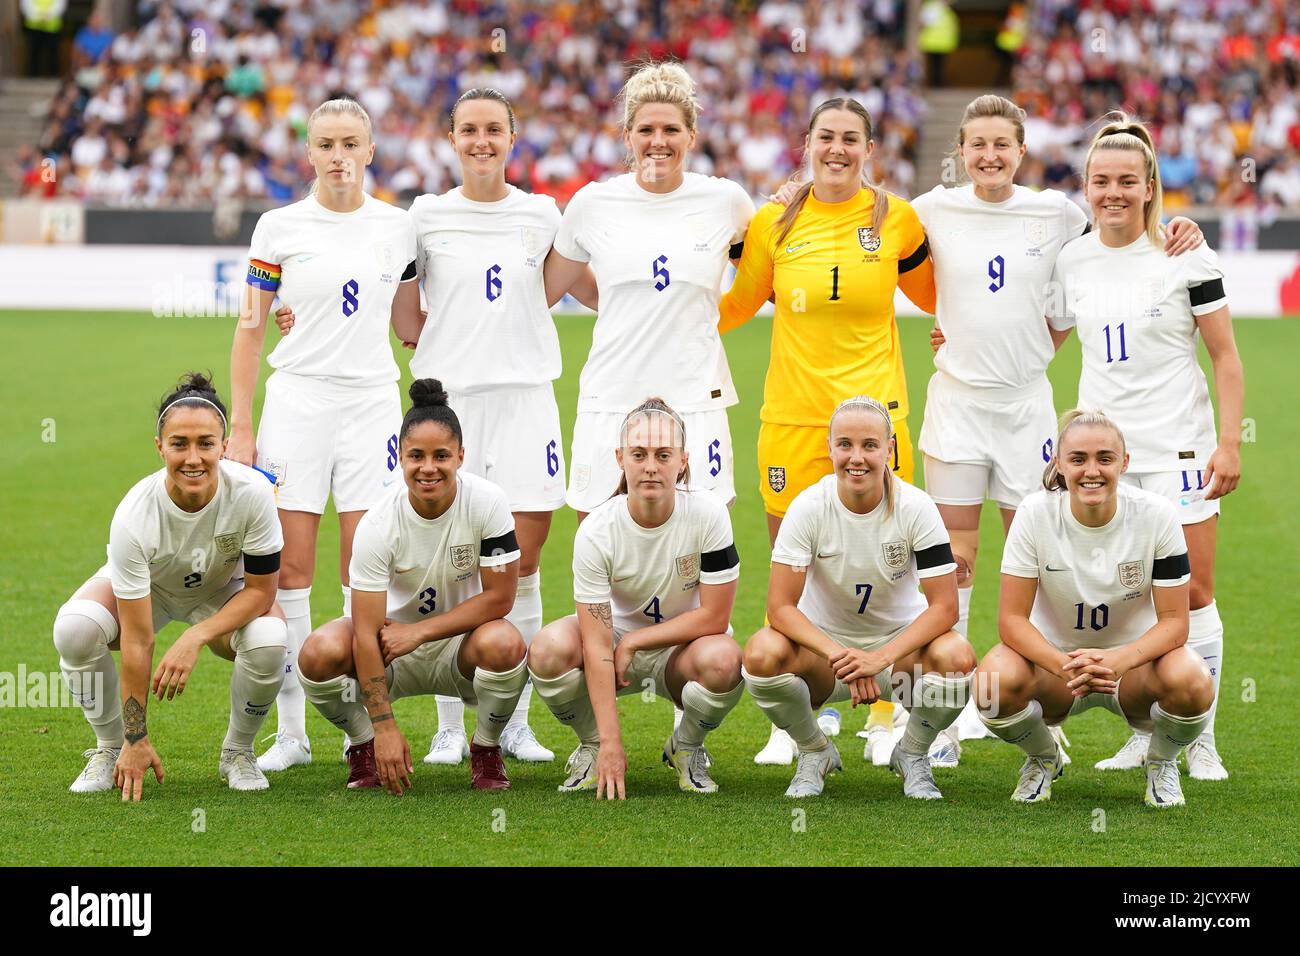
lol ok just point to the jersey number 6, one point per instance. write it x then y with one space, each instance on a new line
493 283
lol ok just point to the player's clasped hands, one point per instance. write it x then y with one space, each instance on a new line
858 669
132 764
1091 671
173 671
398 640
393 760
611 769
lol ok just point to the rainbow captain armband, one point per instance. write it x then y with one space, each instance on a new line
263 275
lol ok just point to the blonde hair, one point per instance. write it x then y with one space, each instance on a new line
1129 135
659 406
660 83
1053 480
988 106
881 208
867 403
340 106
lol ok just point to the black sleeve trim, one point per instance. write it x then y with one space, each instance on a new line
1087 228
410 272
1206 292
505 544
915 259
712 561
935 556
736 249
1171 568
262 563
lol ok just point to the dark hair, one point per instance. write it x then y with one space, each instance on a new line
881 208
194 390
483 93
429 404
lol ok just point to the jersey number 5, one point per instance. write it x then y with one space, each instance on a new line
350 301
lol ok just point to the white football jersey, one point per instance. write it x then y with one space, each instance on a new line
992 266
1136 309
489 325
156 548
659 261
649 575
338 271
1094 584
428 567
863 571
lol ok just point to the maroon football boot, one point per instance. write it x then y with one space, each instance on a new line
486 771
362 773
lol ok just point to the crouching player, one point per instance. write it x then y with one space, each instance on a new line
846 621
655 572
197 541
434 571
1082 625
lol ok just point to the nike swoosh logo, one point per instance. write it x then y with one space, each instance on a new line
829 555
389 482
251 704
793 249
1050 568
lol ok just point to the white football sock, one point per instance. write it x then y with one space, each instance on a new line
82 632
451 714
497 693
1027 730
1205 637
786 702
526 616
569 701
704 710
347 601
963 610
290 704
936 702
1170 733
339 702
259 670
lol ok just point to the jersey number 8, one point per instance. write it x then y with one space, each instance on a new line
350 301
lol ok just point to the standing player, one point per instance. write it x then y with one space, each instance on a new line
658 240
846 619
434 569
1093 612
989 417
338 258
655 572
830 259
197 541
1139 314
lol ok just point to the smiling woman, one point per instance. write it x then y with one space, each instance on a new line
199 542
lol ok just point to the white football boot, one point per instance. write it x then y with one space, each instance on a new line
880 743
780 749
813 768
829 722
286 752
1062 741
581 769
918 779
97 775
691 767
1129 757
1203 760
239 769
447 747
1036 776
522 744
945 752
1164 789
969 726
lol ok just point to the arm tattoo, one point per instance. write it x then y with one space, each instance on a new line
382 717
133 718
602 614
375 692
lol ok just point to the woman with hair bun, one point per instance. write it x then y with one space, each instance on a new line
1078 632
344 262
1140 314
197 541
434 569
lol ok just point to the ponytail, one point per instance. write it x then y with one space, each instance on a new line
1129 135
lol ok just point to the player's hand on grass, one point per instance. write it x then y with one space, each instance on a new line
173 671
1182 234
1222 472
284 319
393 759
133 763
623 655
850 664
611 769
398 640
936 339
241 447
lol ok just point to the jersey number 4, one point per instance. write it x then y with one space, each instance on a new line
652 610
350 301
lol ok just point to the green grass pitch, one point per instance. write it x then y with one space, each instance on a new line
90 382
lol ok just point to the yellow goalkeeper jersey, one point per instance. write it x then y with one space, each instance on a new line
834 333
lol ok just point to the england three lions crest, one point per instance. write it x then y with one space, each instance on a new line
895 554
776 479
868 240
462 556
228 544
1131 574
688 566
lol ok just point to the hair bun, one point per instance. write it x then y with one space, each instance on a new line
427 391
195 382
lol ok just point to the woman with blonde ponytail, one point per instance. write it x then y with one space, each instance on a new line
1140 315
343 262
1080 632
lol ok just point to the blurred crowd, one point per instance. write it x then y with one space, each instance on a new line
1216 80
207 100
